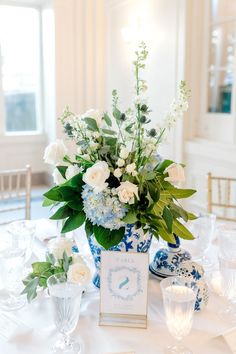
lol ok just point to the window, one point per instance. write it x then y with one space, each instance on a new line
20 68
222 49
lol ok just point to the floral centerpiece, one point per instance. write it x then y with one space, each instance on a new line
116 179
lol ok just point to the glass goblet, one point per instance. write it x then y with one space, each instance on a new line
179 297
66 298
14 249
227 268
203 229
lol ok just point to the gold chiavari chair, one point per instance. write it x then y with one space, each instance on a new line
15 191
221 197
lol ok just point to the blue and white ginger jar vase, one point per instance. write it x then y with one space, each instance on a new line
167 260
134 240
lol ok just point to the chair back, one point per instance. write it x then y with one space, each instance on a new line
15 191
221 197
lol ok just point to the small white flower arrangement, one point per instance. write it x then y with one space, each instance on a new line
59 259
116 176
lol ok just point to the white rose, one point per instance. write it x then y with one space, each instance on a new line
127 191
96 176
130 168
58 245
175 172
124 153
72 171
55 152
78 273
57 177
120 162
95 114
117 173
76 258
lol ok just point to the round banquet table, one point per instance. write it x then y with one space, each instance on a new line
36 332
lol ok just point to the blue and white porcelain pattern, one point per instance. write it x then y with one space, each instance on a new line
195 271
167 260
134 240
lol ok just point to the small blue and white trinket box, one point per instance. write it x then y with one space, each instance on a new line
195 271
167 260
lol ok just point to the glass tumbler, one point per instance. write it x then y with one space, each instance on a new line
179 296
66 299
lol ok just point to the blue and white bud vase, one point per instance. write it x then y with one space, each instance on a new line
134 240
167 260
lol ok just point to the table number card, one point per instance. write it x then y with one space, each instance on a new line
123 293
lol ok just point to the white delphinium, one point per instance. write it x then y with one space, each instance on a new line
55 152
57 177
130 168
72 171
117 173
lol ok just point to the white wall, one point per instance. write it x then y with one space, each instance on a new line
160 28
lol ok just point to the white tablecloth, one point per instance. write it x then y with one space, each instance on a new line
39 334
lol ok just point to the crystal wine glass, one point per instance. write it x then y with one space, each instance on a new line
227 268
66 298
179 297
15 250
203 229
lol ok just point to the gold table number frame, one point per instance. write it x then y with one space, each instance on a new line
124 289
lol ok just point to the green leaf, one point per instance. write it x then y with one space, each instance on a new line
168 217
154 192
73 222
88 228
111 141
62 170
163 232
181 231
130 217
54 194
62 213
66 262
108 132
47 202
163 165
191 216
31 289
76 204
150 175
76 181
92 124
106 237
116 113
107 119
50 258
181 193
68 193
40 267
163 201
178 212
129 128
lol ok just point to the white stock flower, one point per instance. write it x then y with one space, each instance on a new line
57 177
175 172
117 173
127 191
96 176
131 168
58 245
55 152
139 100
124 153
120 162
95 114
72 171
78 273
